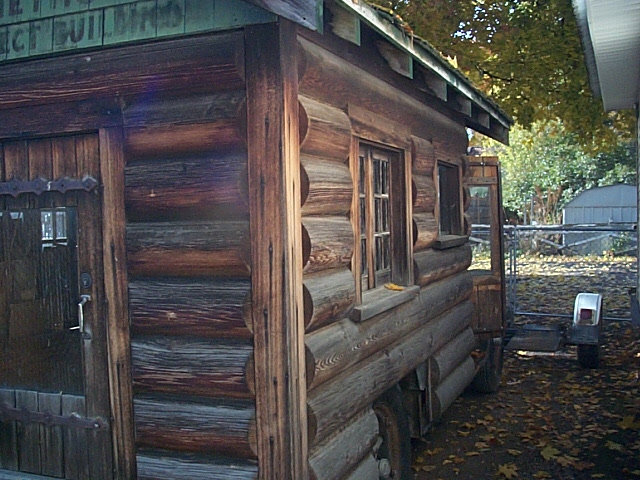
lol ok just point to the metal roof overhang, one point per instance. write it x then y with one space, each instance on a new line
610 32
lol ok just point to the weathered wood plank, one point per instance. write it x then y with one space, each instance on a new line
8 434
159 141
157 465
276 250
76 458
51 444
214 186
190 366
366 470
451 355
328 297
198 61
344 344
424 193
433 265
29 454
425 230
59 118
331 240
205 308
368 124
452 386
116 298
91 258
182 109
328 131
334 458
216 428
423 156
330 188
332 404
188 248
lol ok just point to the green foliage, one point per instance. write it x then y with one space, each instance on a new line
545 167
526 54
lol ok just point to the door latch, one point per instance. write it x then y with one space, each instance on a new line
83 300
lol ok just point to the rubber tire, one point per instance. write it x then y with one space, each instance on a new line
393 424
589 356
487 379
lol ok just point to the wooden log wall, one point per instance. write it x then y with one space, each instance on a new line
188 255
350 363
329 287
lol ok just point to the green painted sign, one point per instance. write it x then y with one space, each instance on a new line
40 27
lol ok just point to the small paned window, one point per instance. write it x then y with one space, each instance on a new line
381 208
54 227
449 199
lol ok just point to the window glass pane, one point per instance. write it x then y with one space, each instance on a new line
363 256
377 175
449 199
384 213
385 177
46 220
61 225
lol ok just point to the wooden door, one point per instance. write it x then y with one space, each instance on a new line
486 209
54 398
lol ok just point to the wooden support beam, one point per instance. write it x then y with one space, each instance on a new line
117 300
399 61
276 250
345 24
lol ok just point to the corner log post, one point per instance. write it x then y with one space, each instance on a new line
276 250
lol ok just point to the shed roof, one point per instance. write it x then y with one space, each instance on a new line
610 196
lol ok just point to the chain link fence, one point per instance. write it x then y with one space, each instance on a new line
547 265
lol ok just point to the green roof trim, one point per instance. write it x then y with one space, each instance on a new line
34 27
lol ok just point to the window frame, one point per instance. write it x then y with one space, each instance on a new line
399 215
450 216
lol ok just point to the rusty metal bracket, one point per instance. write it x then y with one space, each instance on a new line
38 186
8 414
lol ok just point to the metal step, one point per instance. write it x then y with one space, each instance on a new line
537 338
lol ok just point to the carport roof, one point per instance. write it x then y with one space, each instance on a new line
610 32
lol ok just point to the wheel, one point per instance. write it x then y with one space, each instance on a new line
393 425
589 356
487 380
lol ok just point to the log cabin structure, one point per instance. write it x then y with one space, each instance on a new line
232 239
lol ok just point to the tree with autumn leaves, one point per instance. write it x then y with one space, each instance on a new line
527 56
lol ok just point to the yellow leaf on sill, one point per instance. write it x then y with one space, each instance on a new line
393 286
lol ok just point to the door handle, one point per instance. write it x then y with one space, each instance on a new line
83 300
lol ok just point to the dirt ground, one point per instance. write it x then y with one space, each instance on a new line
551 418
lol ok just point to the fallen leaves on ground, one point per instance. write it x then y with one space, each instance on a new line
551 418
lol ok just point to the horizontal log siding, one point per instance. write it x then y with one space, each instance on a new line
220 427
332 459
188 261
336 401
180 307
353 363
154 465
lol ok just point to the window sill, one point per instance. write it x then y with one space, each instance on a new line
449 241
380 300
